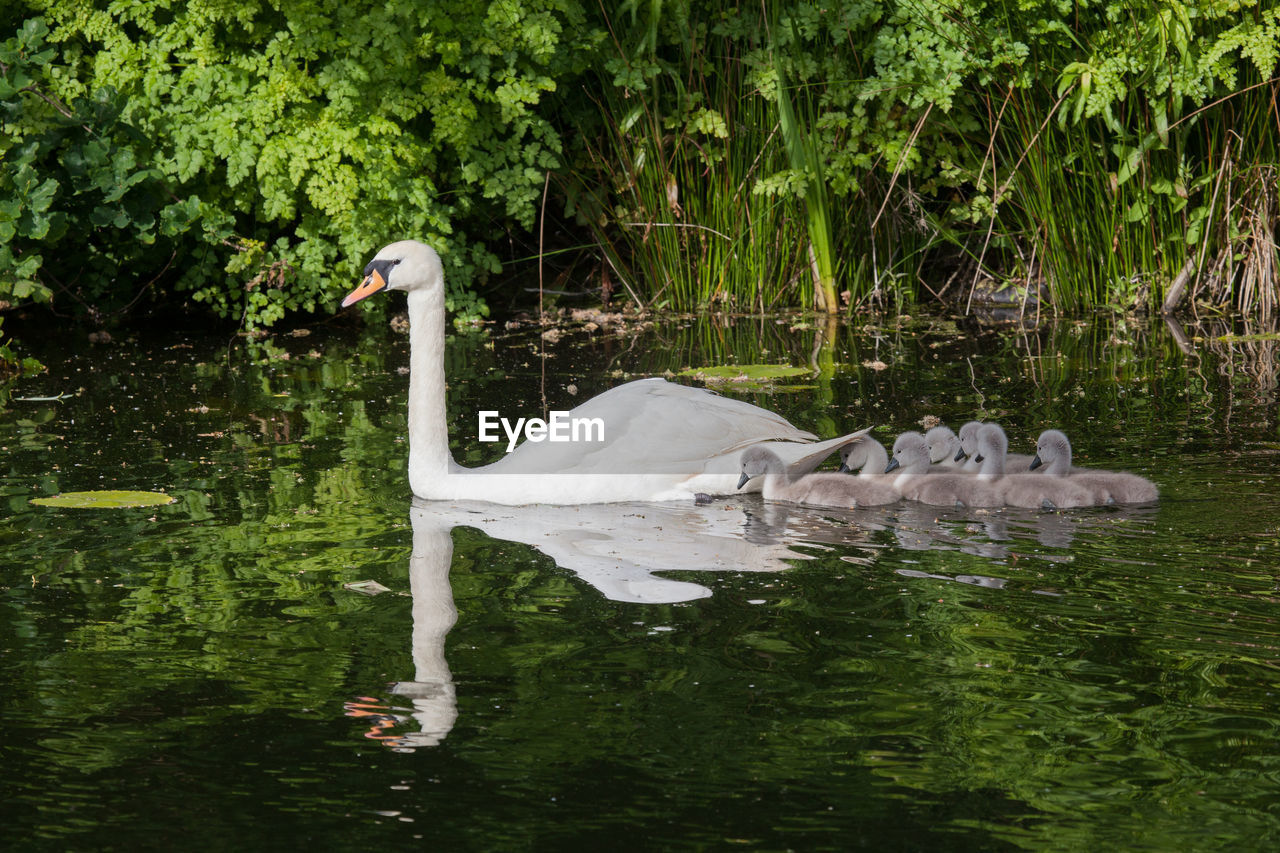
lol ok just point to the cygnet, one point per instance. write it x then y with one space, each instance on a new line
820 489
1053 453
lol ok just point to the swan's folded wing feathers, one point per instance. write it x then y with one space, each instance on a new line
652 426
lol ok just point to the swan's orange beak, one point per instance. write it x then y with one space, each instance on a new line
372 283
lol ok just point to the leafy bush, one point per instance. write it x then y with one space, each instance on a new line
78 203
313 132
251 154
1077 144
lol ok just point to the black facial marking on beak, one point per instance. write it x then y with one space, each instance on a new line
960 454
383 267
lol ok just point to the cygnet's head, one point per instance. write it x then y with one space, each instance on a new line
756 461
405 265
1053 450
992 441
968 437
943 444
855 455
910 453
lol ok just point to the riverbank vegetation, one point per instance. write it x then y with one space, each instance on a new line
247 157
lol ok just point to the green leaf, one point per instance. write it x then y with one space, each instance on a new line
105 499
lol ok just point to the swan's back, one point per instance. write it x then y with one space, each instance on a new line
833 490
658 427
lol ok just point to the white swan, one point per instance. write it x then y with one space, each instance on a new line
660 442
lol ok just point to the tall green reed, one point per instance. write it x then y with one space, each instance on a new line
685 139
806 159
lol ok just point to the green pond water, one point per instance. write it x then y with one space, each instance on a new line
216 674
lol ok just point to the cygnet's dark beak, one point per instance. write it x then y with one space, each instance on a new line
1035 463
960 454
844 469
893 463
978 458
742 481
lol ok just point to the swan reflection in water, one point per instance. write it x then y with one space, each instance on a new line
618 549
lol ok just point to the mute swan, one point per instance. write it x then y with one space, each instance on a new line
1053 452
821 489
1014 463
660 441
1024 489
911 453
865 456
943 448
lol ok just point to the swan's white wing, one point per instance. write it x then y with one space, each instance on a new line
652 426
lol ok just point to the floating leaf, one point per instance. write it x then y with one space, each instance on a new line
105 499
745 372
369 587
1245 339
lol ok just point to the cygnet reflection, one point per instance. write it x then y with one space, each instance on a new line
618 548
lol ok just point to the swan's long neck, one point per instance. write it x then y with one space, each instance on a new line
428 425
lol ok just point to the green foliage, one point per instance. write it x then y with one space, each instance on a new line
669 181
1079 145
251 155
312 133
78 202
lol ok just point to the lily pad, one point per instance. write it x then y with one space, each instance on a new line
105 499
745 372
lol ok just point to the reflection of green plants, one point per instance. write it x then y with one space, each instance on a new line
13 366
211 641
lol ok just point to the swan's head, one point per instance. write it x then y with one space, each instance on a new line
857 455
968 437
943 444
1051 447
756 461
910 453
992 444
406 265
